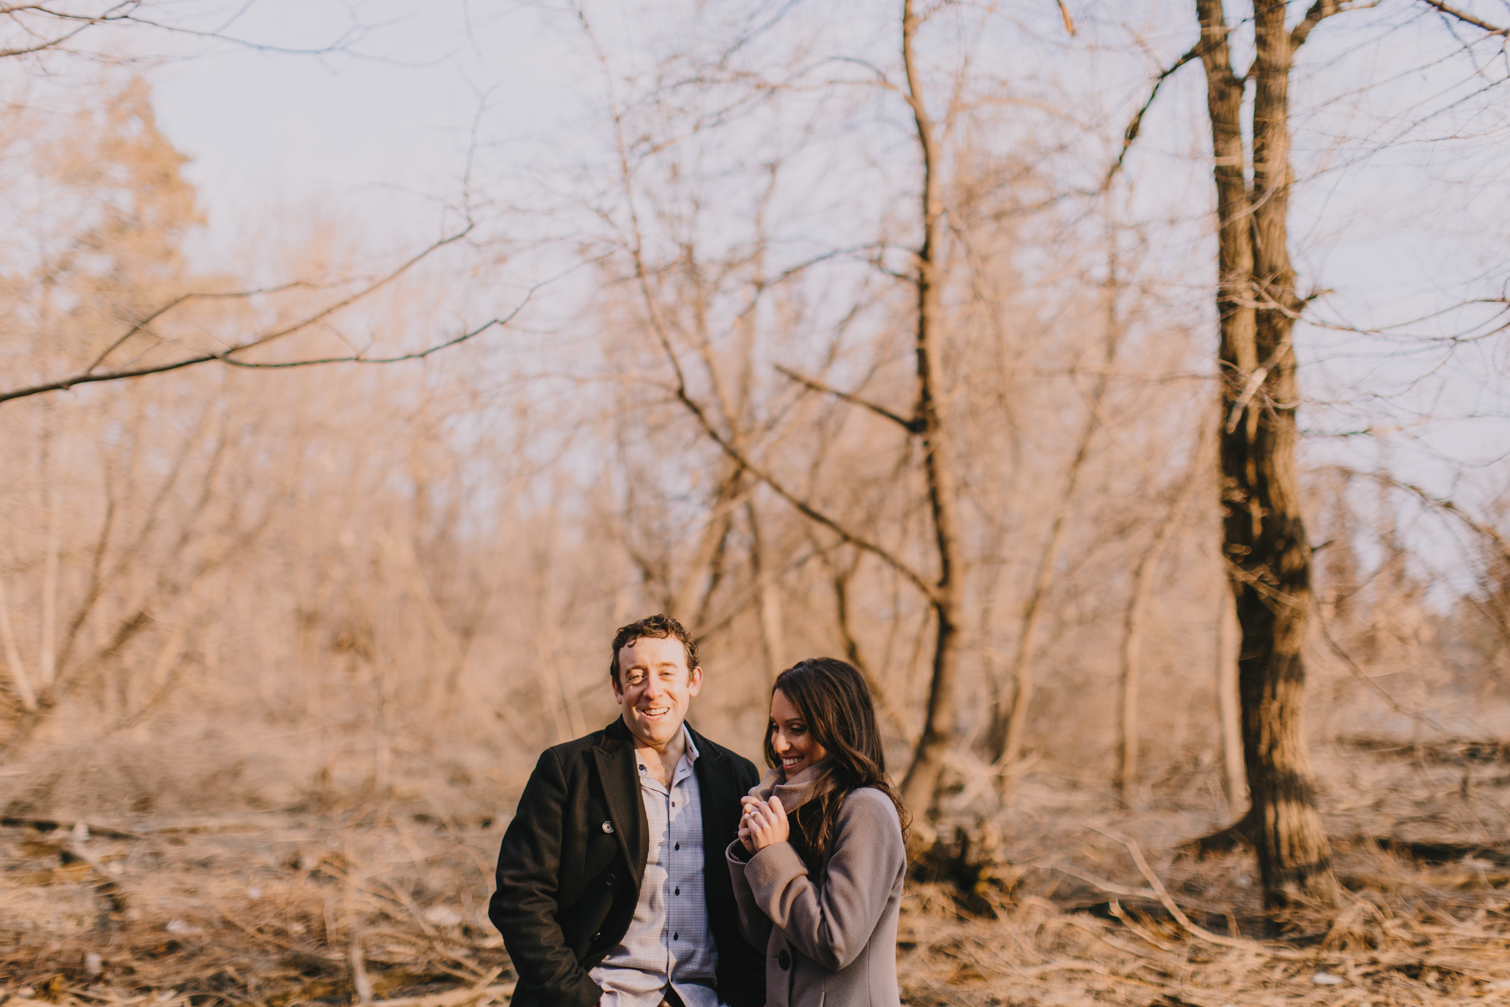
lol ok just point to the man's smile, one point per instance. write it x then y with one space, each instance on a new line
654 689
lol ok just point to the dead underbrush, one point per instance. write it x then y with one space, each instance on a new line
390 909
355 900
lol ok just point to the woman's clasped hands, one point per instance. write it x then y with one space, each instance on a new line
763 823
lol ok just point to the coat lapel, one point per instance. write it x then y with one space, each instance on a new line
621 793
717 798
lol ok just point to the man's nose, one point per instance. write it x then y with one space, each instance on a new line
653 687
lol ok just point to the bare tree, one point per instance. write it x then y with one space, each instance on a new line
1264 532
925 423
1134 615
1010 720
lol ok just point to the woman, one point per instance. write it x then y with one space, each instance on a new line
821 855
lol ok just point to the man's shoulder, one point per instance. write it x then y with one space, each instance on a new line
568 752
721 755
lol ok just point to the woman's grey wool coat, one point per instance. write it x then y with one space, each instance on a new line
830 937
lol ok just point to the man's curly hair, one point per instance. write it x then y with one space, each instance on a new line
659 627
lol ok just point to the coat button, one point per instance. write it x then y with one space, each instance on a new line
784 960
608 881
608 828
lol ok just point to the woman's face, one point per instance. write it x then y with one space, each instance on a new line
793 742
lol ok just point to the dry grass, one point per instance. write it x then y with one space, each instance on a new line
335 900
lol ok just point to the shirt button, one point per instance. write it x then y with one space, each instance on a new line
677 846
676 936
677 892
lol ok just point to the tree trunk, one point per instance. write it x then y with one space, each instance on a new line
840 577
1132 624
20 680
47 661
1234 786
767 600
920 787
1009 722
1131 677
1269 559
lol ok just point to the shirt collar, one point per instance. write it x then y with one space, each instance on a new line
689 758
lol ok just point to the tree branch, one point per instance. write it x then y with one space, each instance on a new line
90 375
1069 22
1474 524
1133 128
141 325
1320 11
1467 18
912 426
802 506
663 337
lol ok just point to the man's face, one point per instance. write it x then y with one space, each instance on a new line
655 687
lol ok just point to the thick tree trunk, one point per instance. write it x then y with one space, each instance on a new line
1269 560
1234 776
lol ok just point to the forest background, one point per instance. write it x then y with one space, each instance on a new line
361 377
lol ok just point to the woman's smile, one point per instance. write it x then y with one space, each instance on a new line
791 739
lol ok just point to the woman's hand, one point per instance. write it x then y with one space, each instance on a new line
766 823
748 804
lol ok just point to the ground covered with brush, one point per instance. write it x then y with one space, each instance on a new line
393 909
364 899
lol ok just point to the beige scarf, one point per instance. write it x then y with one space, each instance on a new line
794 792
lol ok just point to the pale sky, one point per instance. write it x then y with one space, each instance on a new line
393 114
371 132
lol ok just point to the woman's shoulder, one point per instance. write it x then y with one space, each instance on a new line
868 804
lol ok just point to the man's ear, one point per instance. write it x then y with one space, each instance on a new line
618 693
695 681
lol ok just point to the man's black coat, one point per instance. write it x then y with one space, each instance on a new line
570 867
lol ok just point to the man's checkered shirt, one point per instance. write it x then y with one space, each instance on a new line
669 943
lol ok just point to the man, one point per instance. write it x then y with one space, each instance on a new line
612 883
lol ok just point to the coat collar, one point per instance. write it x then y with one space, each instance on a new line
616 736
614 755
799 790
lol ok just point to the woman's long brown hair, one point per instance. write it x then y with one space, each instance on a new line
835 704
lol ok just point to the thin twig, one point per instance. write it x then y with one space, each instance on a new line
1176 911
